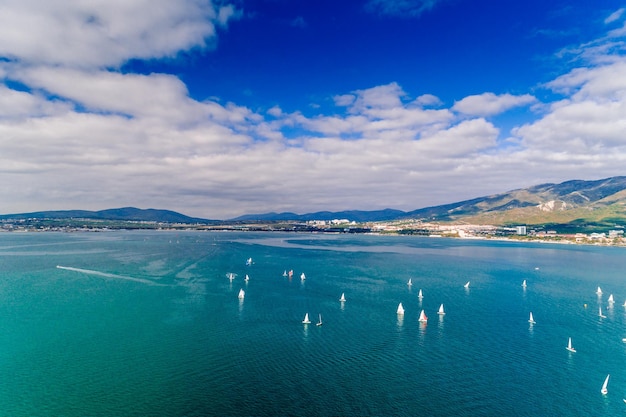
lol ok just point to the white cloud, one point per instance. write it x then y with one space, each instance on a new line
344 100
428 100
79 134
377 111
101 33
601 83
591 121
381 97
489 104
616 15
23 104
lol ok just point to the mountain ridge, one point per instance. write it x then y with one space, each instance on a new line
122 214
576 201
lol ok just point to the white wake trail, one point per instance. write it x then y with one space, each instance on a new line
107 275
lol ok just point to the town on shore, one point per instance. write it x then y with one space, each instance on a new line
613 237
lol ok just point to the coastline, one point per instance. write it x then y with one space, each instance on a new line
437 231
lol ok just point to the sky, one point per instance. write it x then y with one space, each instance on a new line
217 109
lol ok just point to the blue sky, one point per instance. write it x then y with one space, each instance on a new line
217 109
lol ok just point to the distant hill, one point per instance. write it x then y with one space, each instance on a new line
352 215
121 214
571 201
575 201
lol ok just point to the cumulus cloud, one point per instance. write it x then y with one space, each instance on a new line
428 100
489 104
80 134
380 111
104 32
602 83
591 120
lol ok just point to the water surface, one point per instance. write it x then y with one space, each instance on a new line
147 323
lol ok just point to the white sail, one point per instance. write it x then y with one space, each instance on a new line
285 273
441 311
410 282
230 276
611 299
420 294
569 345
467 284
306 319
531 320
249 261
400 309
319 323
524 283
247 278
604 389
423 318
242 294
599 291
302 276
343 297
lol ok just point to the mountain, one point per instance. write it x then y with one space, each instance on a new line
351 215
571 201
570 204
121 214
575 201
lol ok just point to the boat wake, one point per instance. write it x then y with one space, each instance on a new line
107 275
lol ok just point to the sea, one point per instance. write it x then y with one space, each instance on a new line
148 323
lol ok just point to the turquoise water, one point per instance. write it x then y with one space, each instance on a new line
148 324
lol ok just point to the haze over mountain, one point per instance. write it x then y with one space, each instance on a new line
123 214
570 201
565 202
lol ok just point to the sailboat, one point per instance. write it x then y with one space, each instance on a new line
306 319
569 345
400 309
290 273
410 282
531 320
441 310
624 305
524 284
343 297
302 276
466 285
599 291
611 299
247 278
242 294
604 389
419 294
285 273
423 318
249 261
319 323
230 276
602 316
